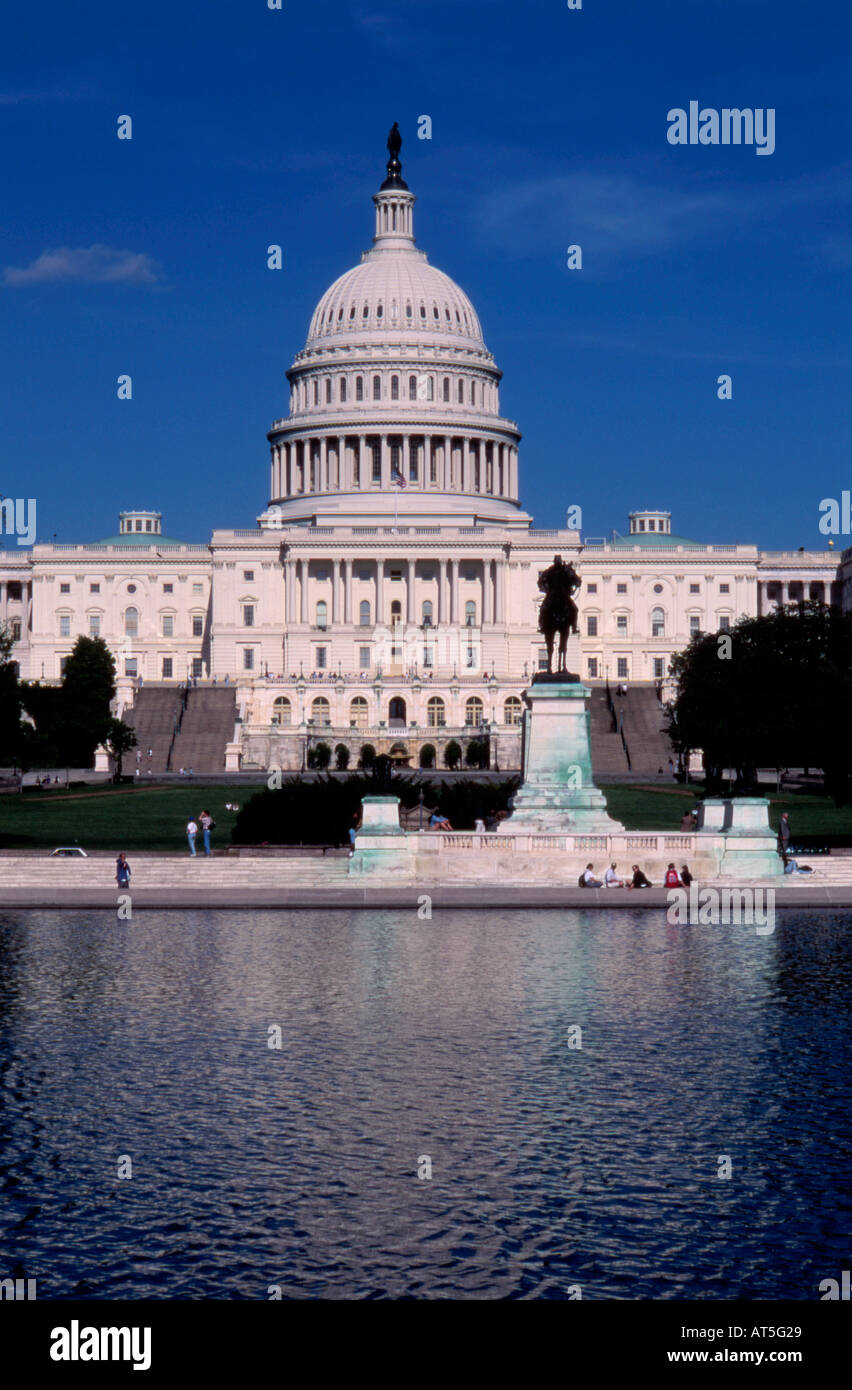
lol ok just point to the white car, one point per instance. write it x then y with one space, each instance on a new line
69 852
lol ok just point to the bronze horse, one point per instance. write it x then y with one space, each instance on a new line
558 611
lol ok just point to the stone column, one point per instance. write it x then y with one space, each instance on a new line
378 616
442 593
290 578
362 454
448 463
426 480
335 590
454 591
347 591
487 593
412 618
385 447
499 594
304 608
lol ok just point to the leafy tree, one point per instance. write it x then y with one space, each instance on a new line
10 702
777 694
319 757
368 756
427 755
341 757
477 753
120 739
88 688
452 753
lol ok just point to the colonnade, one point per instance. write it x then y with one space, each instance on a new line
492 590
326 463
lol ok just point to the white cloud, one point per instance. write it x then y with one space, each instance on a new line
92 265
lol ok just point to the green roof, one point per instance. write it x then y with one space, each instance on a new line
650 540
134 538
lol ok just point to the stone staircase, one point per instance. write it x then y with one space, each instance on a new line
153 717
207 727
607 751
644 728
172 871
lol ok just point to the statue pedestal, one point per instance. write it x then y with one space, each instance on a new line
557 793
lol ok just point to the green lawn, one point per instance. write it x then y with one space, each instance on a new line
134 818
151 818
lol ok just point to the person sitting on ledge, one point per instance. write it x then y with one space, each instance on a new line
587 878
685 875
639 879
611 878
438 821
673 877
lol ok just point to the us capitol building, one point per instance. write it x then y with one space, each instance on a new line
388 594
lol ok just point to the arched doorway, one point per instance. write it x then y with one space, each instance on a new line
397 715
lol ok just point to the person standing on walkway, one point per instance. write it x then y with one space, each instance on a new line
206 822
122 871
191 832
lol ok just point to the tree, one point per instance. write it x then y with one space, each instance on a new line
452 753
120 739
319 757
341 757
477 753
427 755
368 756
10 702
777 694
88 688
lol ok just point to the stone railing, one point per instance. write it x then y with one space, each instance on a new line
612 846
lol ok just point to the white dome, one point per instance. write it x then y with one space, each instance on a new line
395 294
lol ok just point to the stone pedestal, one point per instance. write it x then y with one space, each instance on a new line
381 845
741 823
557 793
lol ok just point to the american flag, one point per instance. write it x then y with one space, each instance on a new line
396 477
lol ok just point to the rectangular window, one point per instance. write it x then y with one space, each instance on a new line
471 658
65 625
131 666
197 625
321 658
621 588
16 629
168 668
65 588
694 623
622 671
724 588
695 588
621 622
198 666
94 624
168 588
724 624
376 450
659 668
249 575
364 658
94 588
198 588
248 658
427 657
169 625
591 588
593 667
542 658
248 615
591 625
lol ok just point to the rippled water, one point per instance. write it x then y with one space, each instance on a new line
400 1038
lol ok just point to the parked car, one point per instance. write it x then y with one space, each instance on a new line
69 852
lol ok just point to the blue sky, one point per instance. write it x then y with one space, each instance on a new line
254 127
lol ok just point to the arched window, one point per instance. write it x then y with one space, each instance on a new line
470 613
408 311
436 714
359 388
412 388
316 393
377 388
473 710
131 622
321 711
427 612
358 712
461 391
322 614
658 622
423 311
343 388
394 388
512 710
446 388
282 711
396 609
364 612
